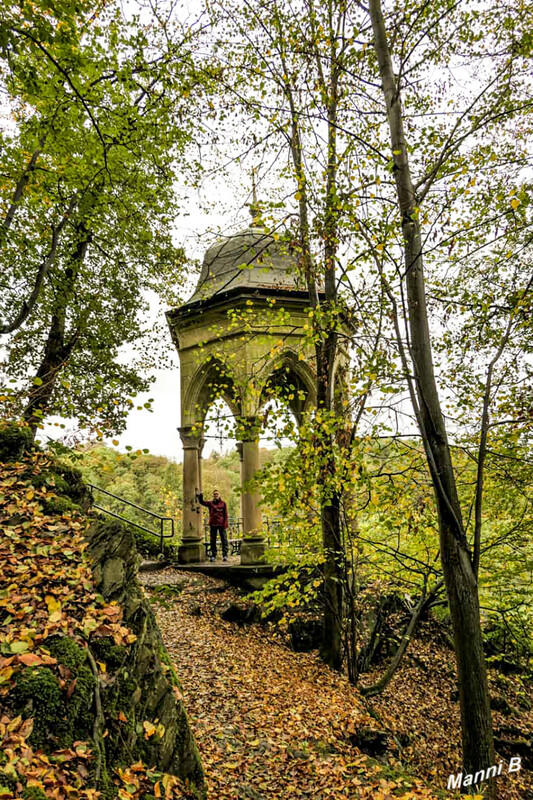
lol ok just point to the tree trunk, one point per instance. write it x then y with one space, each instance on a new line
331 647
326 352
46 376
461 584
58 347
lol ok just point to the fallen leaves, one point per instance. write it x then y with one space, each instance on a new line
46 578
269 723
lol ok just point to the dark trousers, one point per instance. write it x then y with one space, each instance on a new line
214 529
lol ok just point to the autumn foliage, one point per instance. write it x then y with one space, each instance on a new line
51 728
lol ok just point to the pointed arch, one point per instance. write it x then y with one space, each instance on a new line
291 379
211 380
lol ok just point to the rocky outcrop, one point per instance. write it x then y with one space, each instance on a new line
144 686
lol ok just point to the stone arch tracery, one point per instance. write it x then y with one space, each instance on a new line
291 380
211 380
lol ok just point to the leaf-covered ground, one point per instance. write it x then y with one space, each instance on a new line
271 723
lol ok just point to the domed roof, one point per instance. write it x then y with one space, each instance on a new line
250 259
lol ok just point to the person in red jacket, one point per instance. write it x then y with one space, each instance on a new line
218 521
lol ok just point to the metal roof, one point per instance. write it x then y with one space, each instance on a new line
248 259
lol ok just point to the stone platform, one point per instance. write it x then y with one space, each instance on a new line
244 576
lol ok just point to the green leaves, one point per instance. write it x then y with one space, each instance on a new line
87 201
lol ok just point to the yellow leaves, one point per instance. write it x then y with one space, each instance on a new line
54 608
18 646
5 674
515 202
151 730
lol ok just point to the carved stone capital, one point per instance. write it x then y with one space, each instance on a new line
192 437
248 429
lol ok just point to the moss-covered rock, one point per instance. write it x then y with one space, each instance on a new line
60 716
107 651
59 505
15 440
34 793
37 694
67 483
67 652
73 485
143 685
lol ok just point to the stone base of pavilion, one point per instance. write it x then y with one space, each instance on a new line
246 576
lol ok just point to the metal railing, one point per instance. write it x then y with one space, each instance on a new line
271 531
160 533
234 537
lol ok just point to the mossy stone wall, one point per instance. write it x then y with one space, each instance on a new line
143 689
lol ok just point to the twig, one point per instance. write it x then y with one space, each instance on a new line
99 717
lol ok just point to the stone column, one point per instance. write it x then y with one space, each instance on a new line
253 546
239 450
192 548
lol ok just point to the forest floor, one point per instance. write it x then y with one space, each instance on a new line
272 723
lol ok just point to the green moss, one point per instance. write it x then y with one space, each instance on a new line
59 505
68 483
11 779
106 650
58 718
127 688
75 488
15 440
34 793
66 651
171 672
51 480
37 694
80 705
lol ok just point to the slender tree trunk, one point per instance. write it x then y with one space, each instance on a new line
59 346
46 376
421 606
44 267
326 349
461 584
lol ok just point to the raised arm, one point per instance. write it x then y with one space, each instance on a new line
201 500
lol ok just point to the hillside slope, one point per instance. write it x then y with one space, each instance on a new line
90 704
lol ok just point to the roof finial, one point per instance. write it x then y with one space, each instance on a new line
255 208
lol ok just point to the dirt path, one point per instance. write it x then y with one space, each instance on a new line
269 723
